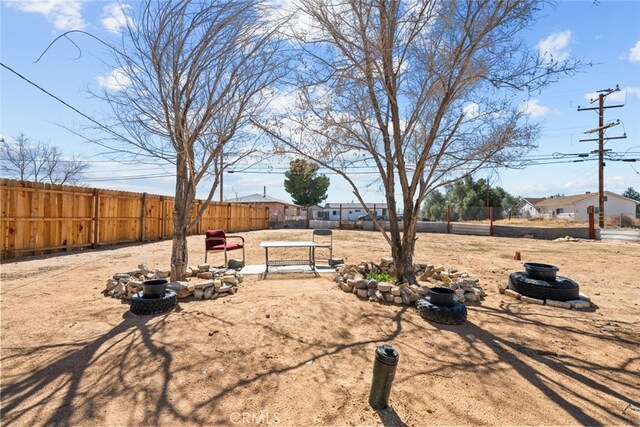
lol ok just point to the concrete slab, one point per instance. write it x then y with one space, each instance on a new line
259 269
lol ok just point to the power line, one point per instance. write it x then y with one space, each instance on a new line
107 129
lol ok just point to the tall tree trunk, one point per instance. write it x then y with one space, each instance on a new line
183 207
403 241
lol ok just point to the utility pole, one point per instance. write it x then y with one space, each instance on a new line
601 139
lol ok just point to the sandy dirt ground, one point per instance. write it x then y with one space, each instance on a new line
296 350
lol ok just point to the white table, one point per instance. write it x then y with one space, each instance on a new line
310 261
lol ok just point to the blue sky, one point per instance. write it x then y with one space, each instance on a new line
604 33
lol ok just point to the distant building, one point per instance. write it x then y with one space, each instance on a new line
526 208
278 210
575 207
349 211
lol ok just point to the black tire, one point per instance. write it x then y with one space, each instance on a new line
561 289
454 315
142 305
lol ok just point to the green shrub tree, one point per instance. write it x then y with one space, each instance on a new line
303 183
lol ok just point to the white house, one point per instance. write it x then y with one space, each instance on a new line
348 211
576 206
526 208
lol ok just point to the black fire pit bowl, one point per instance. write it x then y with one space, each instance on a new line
154 288
442 297
540 271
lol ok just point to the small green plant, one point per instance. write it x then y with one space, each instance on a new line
380 276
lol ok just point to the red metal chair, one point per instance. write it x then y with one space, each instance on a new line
217 241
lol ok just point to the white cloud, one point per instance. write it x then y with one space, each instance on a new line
555 48
64 14
115 18
117 79
471 110
634 52
533 108
619 96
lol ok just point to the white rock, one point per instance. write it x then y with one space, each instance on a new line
228 279
395 290
578 303
384 287
163 273
511 293
470 296
119 276
345 287
397 300
204 267
388 297
118 289
182 289
530 300
561 304
385 262
204 285
357 283
111 283
362 293
208 292
225 288
198 293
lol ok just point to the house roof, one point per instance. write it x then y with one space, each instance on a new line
530 200
571 200
533 200
258 198
354 205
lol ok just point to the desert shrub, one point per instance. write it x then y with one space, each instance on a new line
611 221
624 221
628 221
380 276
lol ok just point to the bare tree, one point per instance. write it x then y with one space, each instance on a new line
423 92
189 77
39 162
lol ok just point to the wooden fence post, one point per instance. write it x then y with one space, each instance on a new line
228 228
143 217
161 217
340 217
96 217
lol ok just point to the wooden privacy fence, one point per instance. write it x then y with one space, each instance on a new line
42 218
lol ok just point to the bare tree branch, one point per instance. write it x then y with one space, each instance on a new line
193 76
388 84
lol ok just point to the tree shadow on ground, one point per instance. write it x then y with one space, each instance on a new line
76 380
63 374
576 385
